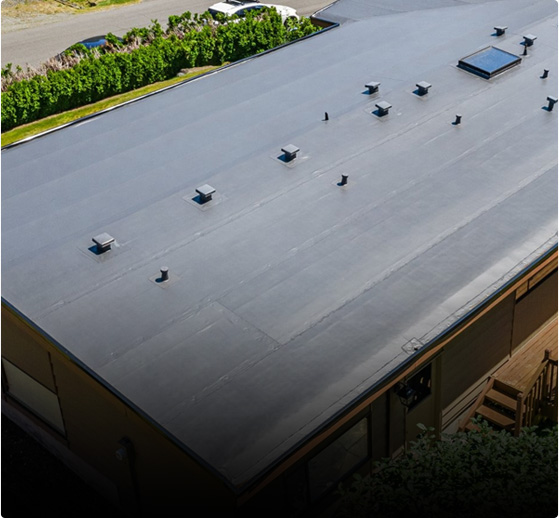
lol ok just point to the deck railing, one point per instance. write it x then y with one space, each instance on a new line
542 388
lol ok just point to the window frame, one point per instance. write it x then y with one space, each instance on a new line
314 498
54 422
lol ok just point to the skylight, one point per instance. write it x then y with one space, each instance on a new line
489 62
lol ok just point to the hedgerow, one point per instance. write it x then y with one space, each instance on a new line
144 56
478 473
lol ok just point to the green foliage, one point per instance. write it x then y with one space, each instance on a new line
478 473
113 40
145 56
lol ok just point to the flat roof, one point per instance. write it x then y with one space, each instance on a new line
288 295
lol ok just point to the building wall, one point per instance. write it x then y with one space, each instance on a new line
427 411
154 475
535 306
459 368
473 353
159 478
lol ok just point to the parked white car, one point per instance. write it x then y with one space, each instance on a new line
240 8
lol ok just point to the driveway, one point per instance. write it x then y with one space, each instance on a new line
24 44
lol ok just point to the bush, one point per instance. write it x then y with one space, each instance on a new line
478 473
80 76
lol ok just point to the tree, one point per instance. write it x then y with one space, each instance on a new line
478 473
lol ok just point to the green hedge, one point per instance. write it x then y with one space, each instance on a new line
482 473
187 43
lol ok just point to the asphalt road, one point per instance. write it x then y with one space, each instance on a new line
37 43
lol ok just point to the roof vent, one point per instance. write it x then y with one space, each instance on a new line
500 30
551 103
372 86
382 108
458 119
423 88
290 152
103 242
529 40
545 73
165 278
205 193
343 181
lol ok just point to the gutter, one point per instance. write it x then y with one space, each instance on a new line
430 350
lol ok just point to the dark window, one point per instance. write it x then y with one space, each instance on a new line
246 10
338 459
32 395
420 384
296 490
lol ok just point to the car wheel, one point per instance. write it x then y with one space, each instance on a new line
288 20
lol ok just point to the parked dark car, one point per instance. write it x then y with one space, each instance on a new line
95 41
88 43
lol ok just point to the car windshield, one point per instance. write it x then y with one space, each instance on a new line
95 41
246 10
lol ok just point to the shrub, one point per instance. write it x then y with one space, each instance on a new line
81 76
478 473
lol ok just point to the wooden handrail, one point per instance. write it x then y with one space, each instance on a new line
544 387
538 373
519 413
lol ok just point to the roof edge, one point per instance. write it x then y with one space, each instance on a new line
331 25
251 486
138 411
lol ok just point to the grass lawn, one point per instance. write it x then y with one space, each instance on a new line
92 4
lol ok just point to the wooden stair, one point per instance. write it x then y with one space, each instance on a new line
496 404
523 391
495 418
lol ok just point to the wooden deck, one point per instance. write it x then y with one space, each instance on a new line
520 369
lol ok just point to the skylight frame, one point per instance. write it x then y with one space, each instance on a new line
482 62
